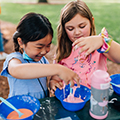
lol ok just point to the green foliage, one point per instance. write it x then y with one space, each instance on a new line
12 12
105 14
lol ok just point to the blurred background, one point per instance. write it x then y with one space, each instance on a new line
106 14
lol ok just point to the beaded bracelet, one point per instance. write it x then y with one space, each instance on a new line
107 41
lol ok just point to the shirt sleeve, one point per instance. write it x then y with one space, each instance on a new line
5 64
44 60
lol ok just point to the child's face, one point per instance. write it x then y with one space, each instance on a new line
77 27
37 49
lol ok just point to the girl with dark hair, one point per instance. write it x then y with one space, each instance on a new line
27 68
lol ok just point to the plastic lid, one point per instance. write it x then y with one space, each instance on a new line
100 76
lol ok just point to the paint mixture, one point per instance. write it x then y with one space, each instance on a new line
70 98
14 114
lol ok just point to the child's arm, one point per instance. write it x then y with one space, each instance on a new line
113 53
35 70
91 43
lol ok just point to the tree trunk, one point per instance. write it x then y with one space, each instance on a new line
42 1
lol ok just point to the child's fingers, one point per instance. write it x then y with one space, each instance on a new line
77 41
84 48
88 52
67 82
71 83
54 84
53 88
52 91
59 85
76 46
77 80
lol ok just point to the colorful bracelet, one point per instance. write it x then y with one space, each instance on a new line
107 41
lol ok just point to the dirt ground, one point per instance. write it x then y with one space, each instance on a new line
7 30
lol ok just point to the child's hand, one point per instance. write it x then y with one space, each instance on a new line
88 44
54 84
67 75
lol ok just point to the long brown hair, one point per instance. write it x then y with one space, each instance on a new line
71 9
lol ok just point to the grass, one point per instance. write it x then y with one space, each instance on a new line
52 12
105 14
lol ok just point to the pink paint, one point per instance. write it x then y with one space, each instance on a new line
64 89
72 99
